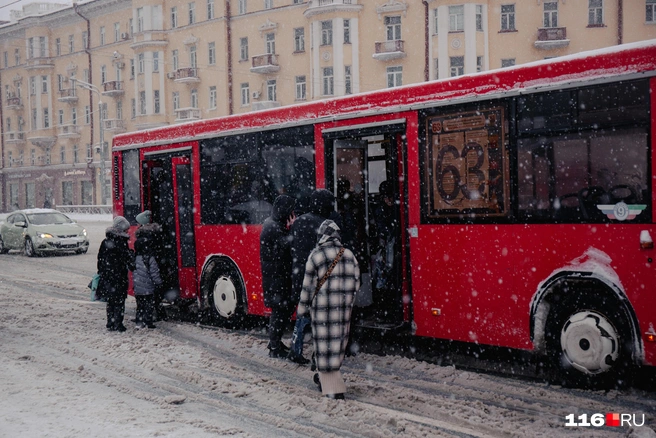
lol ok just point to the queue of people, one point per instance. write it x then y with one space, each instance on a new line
309 248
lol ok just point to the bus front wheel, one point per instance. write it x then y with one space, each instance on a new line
225 294
589 344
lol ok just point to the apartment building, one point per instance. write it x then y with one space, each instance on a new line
73 77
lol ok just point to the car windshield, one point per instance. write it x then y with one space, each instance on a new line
48 219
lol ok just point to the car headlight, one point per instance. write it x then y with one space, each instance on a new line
45 235
84 232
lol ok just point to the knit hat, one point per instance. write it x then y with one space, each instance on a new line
143 218
121 223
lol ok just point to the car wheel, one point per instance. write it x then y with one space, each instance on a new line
29 248
589 343
225 292
3 248
82 251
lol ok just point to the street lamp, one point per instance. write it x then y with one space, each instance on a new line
103 179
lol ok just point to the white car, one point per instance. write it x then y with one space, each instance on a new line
42 230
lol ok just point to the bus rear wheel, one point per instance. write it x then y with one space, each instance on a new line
225 293
589 344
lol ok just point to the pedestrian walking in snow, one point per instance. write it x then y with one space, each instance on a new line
276 263
115 258
332 278
146 279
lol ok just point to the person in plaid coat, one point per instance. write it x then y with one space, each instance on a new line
330 309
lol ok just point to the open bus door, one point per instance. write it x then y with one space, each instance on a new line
183 200
362 160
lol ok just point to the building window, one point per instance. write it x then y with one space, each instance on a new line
509 62
301 88
210 9
550 14
132 68
60 119
271 90
46 118
270 43
133 108
245 96
58 51
67 192
176 100
142 102
326 33
32 86
174 17
140 20
155 61
194 98
650 16
268 4
87 114
299 39
71 44
117 32
212 97
192 13
17 56
76 153
62 155
457 65
328 82
33 157
119 109
74 116
30 48
242 7
435 24
193 58
394 76
243 49
347 31
156 108
456 18
175 59
85 40
102 35
89 151
141 63
44 84
10 159
393 27
43 52
507 17
479 17
348 88
479 63
595 12
211 53
86 188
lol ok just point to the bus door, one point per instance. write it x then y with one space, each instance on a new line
364 164
183 200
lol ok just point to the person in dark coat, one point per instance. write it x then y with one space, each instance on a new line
276 263
304 239
115 258
146 278
152 231
330 307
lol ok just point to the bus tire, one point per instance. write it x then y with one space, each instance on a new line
589 343
225 292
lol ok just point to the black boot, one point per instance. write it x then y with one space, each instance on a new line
297 358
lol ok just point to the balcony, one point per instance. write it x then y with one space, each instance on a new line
551 38
16 137
68 95
113 88
265 104
316 7
265 63
114 125
14 103
187 114
43 138
187 75
388 50
148 39
69 131
34 63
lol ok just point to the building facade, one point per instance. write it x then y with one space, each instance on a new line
73 77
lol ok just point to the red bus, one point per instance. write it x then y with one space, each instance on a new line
524 202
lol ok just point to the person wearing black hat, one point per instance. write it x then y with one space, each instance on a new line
115 258
276 263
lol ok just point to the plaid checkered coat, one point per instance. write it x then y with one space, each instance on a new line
330 309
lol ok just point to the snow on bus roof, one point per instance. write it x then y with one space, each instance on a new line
515 79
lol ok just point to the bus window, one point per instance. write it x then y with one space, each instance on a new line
131 185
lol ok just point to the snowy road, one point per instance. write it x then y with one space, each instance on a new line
63 375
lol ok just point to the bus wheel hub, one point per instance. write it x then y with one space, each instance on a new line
225 297
589 342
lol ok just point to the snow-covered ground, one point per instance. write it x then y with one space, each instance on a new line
63 375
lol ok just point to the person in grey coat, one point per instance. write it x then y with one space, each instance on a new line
330 307
146 278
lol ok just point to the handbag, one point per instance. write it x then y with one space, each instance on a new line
93 285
